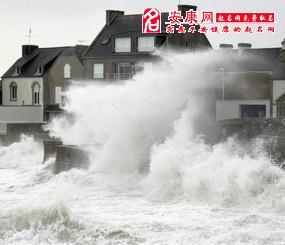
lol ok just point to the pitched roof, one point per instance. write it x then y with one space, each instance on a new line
77 51
102 44
41 57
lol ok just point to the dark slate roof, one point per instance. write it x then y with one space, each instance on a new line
263 59
124 24
41 57
77 51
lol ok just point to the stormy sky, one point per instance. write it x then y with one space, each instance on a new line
65 22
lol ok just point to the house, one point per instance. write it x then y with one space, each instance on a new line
121 49
246 84
278 83
31 88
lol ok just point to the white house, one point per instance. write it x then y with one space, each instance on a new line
31 88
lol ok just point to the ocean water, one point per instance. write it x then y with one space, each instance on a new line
152 178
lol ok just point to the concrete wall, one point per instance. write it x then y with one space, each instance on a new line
68 157
24 90
21 114
50 148
230 109
278 90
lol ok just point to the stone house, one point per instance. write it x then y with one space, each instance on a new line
31 88
121 49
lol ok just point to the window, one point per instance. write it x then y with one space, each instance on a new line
36 93
124 71
58 95
145 44
67 71
253 111
17 71
13 91
98 71
123 44
39 70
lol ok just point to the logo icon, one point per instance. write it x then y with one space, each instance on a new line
151 21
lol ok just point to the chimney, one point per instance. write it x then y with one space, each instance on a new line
184 8
28 49
111 14
226 46
243 46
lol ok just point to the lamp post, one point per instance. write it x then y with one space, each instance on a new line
223 81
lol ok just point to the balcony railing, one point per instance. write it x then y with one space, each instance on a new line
119 76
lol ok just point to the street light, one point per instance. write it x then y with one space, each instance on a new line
223 80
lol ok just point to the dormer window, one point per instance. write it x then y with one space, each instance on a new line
146 44
122 44
39 70
105 41
17 71
67 71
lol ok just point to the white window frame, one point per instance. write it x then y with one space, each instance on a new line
123 44
57 98
98 71
13 91
67 71
146 44
36 94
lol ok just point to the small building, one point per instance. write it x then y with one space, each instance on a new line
32 86
245 83
121 49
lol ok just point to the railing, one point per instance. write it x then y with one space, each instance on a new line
119 76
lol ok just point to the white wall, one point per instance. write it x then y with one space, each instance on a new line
24 90
278 90
230 109
21 114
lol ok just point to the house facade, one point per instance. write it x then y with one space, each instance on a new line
121 49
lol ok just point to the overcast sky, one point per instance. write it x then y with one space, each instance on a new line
64 22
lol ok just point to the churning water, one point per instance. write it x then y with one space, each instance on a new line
188 193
